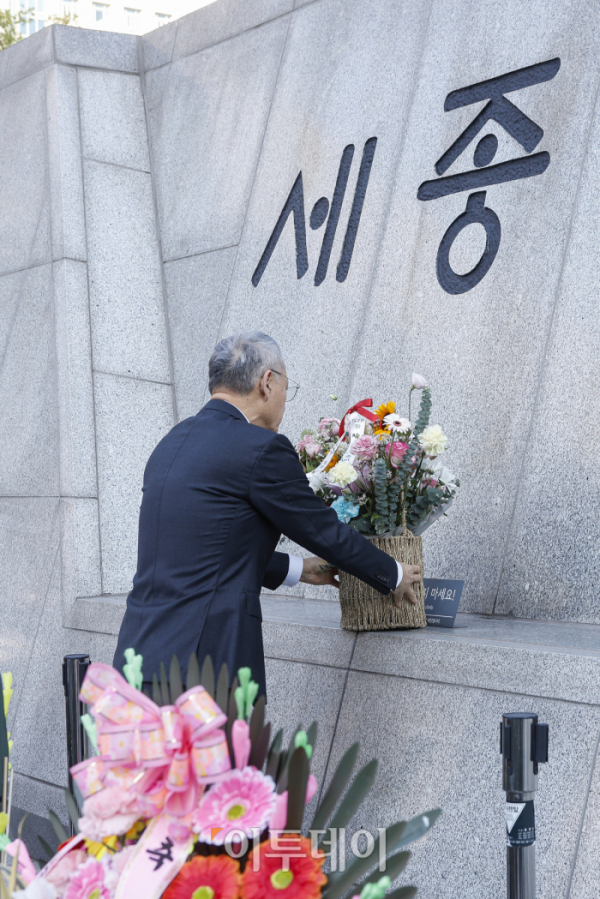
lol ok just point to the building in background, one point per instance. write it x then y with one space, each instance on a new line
129 16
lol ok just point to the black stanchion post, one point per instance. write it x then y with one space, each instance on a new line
74 669
524 746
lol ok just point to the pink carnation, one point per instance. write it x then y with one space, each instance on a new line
365 448
244 801
61 874
88 881
111 811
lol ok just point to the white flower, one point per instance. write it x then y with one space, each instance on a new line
433 441
439 470
395 423
315 480
418 381
342 474
37 889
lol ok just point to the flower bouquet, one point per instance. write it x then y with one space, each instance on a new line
188 801
383 475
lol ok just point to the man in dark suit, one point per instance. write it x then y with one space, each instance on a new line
219 490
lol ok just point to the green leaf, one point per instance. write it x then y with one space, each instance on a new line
57 827
418 826
222 694
207 676
164 686
176 687
360 787
282 779
193 673
257 720
72 810
311 734
232 716
259 749
274 755
402 893
394 866
50 853
156 694
338 784
297 780
340 881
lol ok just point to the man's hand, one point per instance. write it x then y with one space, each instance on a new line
317 571
410 575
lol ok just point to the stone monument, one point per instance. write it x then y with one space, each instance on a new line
384 187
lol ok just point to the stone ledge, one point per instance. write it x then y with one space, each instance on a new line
555 660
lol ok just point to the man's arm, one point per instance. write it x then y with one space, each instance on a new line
277 572
280 491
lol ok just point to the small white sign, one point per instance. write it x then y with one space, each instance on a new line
513 810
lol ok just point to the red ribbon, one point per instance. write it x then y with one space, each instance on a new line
360 408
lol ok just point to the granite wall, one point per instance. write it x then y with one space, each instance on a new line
142 181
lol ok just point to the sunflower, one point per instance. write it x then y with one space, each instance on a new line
206 877
289 871
385 409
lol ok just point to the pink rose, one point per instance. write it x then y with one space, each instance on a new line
312 449
397 452
331 426
365 448
109 812
61 874
418 381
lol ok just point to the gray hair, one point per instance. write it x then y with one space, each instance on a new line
238 362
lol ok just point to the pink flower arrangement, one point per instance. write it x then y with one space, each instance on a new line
398 479
112 811
365 448
88 882
244 801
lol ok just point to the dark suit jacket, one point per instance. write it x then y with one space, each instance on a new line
218 493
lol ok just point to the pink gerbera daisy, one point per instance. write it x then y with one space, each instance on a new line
244 801
88 882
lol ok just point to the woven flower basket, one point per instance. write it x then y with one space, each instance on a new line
365 609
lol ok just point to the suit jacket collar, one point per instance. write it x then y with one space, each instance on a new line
224 406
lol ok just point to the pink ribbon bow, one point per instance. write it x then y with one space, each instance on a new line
166 754
360 408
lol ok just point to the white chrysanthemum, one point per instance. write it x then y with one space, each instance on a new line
433 441
342 474
396 423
